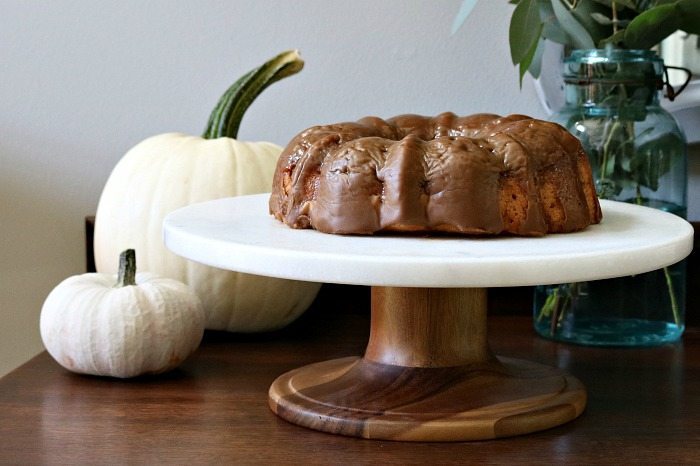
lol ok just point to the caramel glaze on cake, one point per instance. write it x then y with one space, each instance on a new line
479 175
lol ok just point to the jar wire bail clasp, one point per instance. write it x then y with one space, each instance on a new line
672 93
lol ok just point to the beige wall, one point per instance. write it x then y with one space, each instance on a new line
83 81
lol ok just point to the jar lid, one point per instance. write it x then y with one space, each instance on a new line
613 55
614 66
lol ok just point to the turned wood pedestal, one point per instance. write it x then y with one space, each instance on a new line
427 373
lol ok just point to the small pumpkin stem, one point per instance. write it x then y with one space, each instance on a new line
127 269
226 117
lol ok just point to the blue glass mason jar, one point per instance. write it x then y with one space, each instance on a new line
638 154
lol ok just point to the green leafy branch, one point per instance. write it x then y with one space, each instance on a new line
586 24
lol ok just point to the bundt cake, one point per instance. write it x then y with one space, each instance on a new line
479 175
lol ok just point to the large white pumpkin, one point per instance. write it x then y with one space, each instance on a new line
169 171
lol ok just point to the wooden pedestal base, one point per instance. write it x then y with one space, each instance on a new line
427 375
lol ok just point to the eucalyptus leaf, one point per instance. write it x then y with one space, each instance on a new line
653 159
643 5
524 31
580 37
616 147
527 60
631 4
553 32
551 29
623 166
646 168
608 169
584 11
584 24
626 164
652 26
615 39
635 5
601 19
690 16
535 67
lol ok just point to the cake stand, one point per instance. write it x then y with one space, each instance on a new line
428 373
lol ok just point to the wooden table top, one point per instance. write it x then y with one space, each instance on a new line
643 407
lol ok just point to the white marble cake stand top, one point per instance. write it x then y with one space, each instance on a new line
239 234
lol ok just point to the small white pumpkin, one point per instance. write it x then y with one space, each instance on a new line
121 325
173 170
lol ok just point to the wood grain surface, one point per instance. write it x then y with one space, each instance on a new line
643 405
360 398
428 327
427 375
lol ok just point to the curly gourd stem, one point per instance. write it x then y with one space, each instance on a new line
226 117
127 269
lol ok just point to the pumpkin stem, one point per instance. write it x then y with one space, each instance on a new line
226 117
127 269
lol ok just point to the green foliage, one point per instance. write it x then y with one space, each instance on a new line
583 24
620 165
